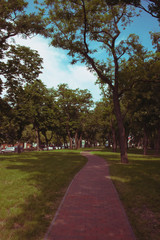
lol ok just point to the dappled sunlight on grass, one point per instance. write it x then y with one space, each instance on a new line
138 185
33 185
118 179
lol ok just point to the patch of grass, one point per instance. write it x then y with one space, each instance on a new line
31 188
138 185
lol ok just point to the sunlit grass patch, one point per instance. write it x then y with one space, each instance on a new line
138 185
31 187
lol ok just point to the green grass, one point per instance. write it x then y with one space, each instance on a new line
31 187
138 185
33 184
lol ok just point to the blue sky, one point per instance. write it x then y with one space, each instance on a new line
57 67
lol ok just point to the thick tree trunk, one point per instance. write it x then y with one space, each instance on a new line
122 136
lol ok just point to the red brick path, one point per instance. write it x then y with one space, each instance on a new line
91 209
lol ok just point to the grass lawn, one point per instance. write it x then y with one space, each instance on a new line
138 185
31 187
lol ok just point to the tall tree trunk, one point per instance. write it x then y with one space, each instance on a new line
145 142
122 136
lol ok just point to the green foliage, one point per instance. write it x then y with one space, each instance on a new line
4 119
28 134
100 123
155 40
41 108
23 66
73 107
142 101
151 6
15 21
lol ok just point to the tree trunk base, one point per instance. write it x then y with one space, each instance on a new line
124 159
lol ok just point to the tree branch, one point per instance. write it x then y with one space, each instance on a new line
85 26
104 78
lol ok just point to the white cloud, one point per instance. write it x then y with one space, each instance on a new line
57 68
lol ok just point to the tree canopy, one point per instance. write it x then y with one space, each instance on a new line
86 27
151 6
14 20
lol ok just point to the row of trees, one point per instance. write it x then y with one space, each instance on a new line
33 113
45 116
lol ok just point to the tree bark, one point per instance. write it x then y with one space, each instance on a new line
122 136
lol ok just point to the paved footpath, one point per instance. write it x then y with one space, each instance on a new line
91 209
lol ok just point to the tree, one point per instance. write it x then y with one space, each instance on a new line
41 109
107 102
14 21
23 65
4 119
155 40
49 121
73 104
84 27
28 134
142 73
151 6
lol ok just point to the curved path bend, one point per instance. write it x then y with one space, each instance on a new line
91 208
